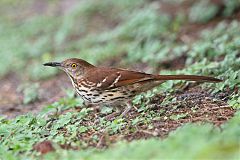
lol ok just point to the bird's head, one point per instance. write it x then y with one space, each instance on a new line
74 67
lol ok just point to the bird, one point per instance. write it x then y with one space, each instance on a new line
114 86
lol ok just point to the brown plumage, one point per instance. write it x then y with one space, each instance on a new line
100 85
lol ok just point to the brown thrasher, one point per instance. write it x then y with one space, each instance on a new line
112 86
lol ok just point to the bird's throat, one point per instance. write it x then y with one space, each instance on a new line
73 80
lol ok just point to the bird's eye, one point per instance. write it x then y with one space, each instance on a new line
74 65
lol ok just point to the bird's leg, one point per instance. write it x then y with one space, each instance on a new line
128 108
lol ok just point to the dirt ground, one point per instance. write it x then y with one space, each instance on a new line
11 102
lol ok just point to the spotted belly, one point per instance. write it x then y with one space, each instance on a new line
95 96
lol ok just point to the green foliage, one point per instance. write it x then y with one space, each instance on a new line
230 7
115 126
178 116
202 11
203 57
19 44
143 24
224 41
30 92
235 101
106 110
210 143
20 134
27 43
63 104
155 51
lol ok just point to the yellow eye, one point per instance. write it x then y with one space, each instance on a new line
74 65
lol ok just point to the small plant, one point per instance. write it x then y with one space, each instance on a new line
30 92
203 11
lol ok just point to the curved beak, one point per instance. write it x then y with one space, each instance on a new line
53 64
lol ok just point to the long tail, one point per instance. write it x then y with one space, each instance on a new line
188 78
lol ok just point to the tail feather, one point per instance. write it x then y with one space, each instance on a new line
188 78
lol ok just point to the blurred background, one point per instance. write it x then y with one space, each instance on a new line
145 35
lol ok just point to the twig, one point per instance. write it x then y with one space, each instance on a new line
148 132
219 107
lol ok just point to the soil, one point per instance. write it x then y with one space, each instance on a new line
195 104
11 102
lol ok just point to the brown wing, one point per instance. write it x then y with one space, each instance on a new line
107 78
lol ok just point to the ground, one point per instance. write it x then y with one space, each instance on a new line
41 106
